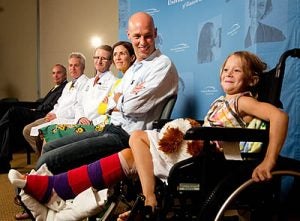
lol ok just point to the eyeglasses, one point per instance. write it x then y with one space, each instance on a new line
101 58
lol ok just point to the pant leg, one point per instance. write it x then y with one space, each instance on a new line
11 125
19 115
32 139
84 151
68 140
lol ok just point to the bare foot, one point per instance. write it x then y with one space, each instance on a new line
151 201
123 216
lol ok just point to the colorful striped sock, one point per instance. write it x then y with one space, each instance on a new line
99 174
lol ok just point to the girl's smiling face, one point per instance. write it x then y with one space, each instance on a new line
233 78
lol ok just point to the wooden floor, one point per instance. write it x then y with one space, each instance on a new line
7 192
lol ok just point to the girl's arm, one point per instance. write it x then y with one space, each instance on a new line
278 120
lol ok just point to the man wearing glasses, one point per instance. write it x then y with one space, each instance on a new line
97 88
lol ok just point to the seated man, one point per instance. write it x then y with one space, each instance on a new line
17 117
64 108
97 88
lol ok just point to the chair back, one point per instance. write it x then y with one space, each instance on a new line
168 108
269 86
9 99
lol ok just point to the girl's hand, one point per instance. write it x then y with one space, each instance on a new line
263 171
123 216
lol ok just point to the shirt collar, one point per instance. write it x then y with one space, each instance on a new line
138 64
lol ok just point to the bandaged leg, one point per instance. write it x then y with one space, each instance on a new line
99 175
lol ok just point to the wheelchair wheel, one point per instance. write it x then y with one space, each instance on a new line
243 206
260 208
216 197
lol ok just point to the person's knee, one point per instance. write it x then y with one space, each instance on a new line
128 157
45 148
40 162
127 162
45 159
137 136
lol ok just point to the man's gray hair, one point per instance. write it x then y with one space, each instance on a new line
78 55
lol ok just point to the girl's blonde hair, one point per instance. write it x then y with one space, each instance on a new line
252 66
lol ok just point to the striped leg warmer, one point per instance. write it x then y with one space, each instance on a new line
99 174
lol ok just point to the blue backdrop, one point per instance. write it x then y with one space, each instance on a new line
199 34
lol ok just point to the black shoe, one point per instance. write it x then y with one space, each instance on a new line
22 215
140 212
149 214
4 166
26 213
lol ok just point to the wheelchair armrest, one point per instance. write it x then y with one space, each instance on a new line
158 124
227 134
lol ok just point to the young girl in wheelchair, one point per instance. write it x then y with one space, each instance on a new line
149 154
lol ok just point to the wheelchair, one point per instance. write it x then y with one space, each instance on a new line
211 187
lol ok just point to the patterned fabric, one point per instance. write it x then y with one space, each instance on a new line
224 113
55 131
253 147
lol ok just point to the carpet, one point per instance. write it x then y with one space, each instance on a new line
7 192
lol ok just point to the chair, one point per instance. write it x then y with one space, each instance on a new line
9 99
6 103
168 108
19 140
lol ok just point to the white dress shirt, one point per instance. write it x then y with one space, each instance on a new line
138 110
93 95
